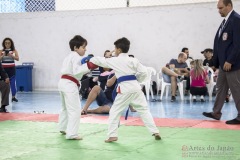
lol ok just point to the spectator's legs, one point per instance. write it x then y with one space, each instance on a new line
169 72
91 97
173 85
187 84
99 110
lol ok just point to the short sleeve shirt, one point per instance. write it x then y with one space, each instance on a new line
208 62
178 65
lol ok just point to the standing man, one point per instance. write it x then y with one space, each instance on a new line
226 57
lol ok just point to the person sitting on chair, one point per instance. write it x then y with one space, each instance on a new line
175 71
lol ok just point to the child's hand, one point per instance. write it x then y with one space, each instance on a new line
95 79
109 54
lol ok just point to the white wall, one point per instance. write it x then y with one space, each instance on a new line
157 34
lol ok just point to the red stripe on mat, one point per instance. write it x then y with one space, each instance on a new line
12 116
167 122
132 121
216 124
31 117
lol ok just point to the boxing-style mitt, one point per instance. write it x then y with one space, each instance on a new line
86 59
91 65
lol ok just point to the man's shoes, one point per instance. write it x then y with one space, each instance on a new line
3 110
14 99
173 99
209 115
180 78
233 121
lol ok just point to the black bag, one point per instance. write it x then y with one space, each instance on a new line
84 90
86 85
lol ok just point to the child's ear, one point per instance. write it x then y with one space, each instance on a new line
119 50
75 48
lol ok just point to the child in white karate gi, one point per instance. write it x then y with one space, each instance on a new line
129 90
72 71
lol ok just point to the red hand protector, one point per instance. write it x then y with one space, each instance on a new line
91 65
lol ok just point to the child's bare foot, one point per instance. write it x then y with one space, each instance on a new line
133 110
76 138
111 139
63 132
157 136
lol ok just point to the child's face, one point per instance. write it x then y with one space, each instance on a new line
117 51
81 50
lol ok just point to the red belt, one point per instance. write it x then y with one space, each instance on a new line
71 79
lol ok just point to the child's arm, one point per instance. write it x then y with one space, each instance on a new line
78 69
100 61
111 81
207 78
141 72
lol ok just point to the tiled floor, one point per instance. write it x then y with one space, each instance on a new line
49 102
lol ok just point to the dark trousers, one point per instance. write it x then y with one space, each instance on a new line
187 82
225 81
4 89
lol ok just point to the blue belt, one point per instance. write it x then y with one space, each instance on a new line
119 80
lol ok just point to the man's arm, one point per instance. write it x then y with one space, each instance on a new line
233 56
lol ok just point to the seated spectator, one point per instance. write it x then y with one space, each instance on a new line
103 98
189 59
104 72
199 77
208 61
204 53
175 71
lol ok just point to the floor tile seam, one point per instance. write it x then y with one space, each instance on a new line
22 154
125 124
174 133
85 148
96 132
197 123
